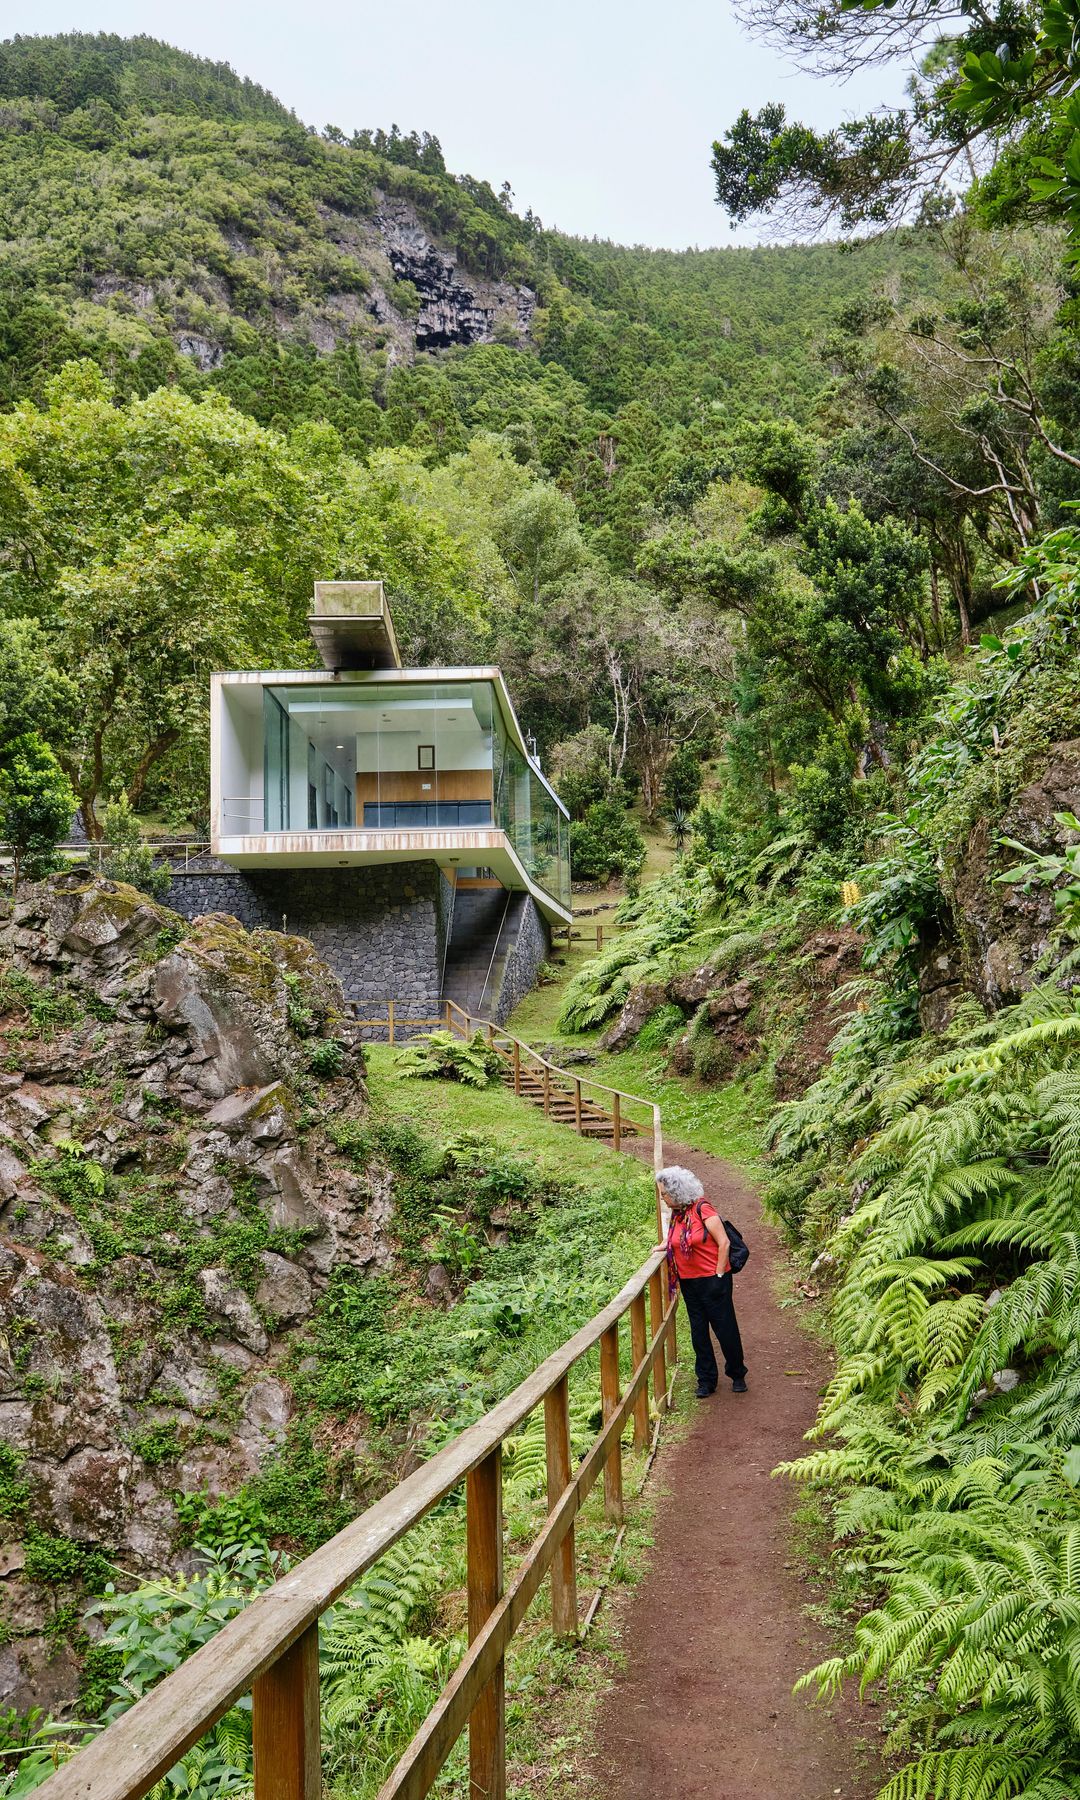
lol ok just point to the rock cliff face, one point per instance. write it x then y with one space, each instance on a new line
453 310
385 250
171 1205
999 932
731 1012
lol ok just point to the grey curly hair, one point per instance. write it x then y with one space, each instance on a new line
681 1186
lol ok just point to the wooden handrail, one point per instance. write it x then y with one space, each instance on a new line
471 1019
270 1649
515 1049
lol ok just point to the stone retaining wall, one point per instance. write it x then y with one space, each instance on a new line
383 931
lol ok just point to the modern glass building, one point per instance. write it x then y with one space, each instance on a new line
366 762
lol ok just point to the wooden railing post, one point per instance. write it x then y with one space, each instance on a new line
609 1401
517 1066
390 1018
484 1528
564 1613
446 1010
599 936
658 1163
638 1346
657 1283
577 1104
285 1724
547 1089
616 1121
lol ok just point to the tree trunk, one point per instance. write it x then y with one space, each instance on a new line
152 754
935 603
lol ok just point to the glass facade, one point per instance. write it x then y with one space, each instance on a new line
401 756
531 818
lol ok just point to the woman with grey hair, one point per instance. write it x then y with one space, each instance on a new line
697 1251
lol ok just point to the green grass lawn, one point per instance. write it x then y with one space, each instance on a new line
444 1108
726 1120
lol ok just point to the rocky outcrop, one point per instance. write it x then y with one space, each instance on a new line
995 935
731 1010
171 1205
1005 929
452 310
640 1004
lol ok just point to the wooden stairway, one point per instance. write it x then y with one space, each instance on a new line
559 1097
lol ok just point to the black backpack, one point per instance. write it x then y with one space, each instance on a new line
738 1249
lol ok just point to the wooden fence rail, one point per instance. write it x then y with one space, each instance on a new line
270 1650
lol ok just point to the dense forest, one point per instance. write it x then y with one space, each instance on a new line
800 515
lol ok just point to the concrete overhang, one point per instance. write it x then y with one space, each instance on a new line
486 847
351 625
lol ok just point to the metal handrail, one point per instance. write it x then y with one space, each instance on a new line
495 946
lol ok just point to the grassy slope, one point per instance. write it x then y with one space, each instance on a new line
551 1691
725 1119
444 1108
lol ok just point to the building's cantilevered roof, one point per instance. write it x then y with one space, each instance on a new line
351 625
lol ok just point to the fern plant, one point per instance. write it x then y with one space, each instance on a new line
380 1668
440 1056
953 1416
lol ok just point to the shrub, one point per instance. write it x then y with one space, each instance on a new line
326 1058
60 1561
130 857
659 1027
606 842
681 785
42 1006
580 769
36 806
223 1524
159 1443
713 1059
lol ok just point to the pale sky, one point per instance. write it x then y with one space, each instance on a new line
600 113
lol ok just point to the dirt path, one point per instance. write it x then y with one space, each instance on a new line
716 1633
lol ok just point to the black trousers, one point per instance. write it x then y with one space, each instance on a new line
710 1302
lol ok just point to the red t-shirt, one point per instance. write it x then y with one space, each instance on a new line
695 1250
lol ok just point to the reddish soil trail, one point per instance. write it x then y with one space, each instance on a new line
717 1633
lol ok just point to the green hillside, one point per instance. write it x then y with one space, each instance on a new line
170 219
79 68
735 524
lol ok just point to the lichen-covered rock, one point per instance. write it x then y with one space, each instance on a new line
226 1301
640 1004
171 1207
688 991
284 1293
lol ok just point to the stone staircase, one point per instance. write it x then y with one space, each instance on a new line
477 949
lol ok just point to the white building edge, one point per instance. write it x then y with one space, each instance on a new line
363 762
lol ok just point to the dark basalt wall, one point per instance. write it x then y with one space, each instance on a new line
382 931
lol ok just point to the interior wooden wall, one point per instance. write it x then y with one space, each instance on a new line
409 785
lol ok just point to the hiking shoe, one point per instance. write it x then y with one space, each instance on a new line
739 1387
703 1390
